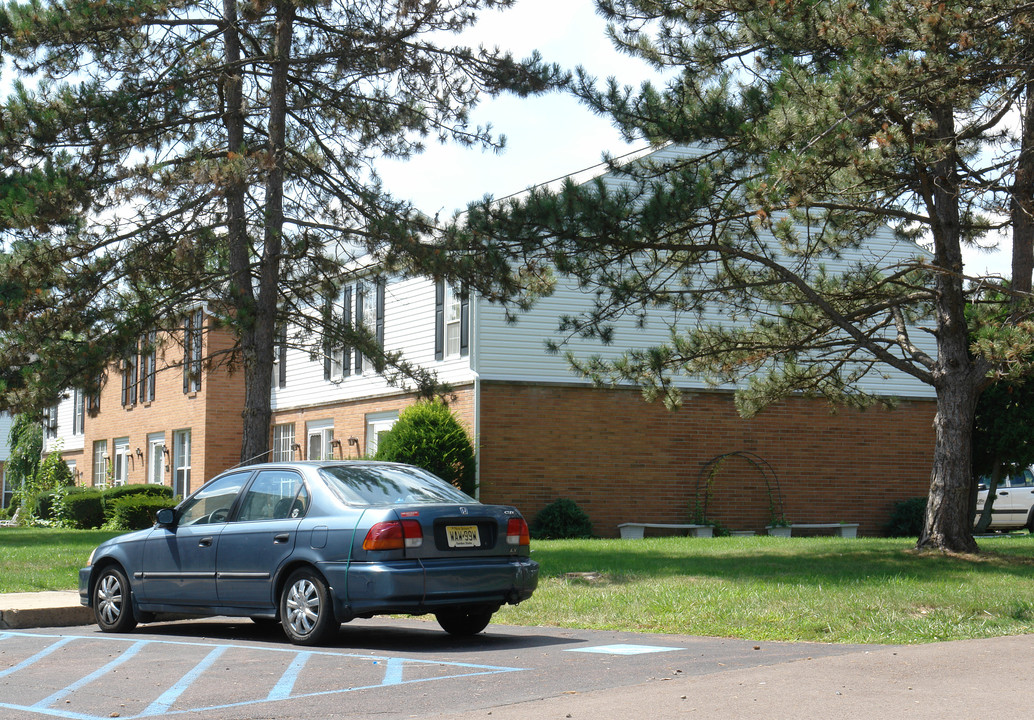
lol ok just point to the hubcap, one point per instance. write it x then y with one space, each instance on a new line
109 599
303 606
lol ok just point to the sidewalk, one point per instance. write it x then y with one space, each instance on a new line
43 609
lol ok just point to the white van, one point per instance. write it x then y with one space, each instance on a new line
1014 505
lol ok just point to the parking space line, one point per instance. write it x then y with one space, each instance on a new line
35 658
167 698
130 652
285 685
284 688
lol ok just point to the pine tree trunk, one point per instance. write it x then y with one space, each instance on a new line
948 524
958 378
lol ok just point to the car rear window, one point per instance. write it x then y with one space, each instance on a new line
390 485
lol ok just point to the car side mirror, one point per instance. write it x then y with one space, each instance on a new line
981 486
166 516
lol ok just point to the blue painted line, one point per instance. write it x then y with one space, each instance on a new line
283 690
393 673
130 652
37 657
170 696
285 685
323 693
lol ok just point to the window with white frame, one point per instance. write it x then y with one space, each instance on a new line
283 442
148 366
451 322
181 462
369 314
376 425
120 469
78 412
156 458
319 436
100 463
193 350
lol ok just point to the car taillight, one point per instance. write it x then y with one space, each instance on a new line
517 532
394 535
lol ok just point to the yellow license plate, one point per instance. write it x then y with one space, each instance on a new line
463 536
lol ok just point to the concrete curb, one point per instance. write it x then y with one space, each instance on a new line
19 611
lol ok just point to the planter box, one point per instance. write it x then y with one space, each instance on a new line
779 530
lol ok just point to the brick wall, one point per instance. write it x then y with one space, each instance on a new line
212 414
349 418
623 459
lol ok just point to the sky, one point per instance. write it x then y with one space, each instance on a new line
548 137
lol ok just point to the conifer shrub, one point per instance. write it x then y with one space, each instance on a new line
430 436
560 520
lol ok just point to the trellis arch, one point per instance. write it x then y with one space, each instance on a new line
709 471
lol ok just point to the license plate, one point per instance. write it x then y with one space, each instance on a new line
463 536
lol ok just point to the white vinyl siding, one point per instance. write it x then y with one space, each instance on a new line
409 307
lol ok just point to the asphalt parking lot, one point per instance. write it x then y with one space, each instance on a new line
385 668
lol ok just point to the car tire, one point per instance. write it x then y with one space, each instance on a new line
464 622
112 601
306 613
1030 521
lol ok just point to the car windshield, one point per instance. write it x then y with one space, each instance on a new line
389 484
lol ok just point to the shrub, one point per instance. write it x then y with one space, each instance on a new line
81 509
135 511
429 436
907 517
40 505
561 519
121 491
54 472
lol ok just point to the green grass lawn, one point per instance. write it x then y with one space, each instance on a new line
822 589
33 559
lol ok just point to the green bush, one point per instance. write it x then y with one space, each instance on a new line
40 505
561 519
54 472
82 509
907 518
429 436
135 512
121 491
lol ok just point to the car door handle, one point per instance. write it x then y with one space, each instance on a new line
281 538
205 542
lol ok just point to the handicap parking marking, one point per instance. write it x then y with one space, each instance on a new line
194 676
624 649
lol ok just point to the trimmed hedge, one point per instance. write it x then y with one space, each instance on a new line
82 510
136 511
41 505
86 508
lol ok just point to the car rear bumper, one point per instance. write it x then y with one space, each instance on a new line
423 586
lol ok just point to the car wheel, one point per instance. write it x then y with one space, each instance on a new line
1030 521
112 604
305 609
464 622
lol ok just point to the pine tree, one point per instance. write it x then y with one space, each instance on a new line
219 153
811 127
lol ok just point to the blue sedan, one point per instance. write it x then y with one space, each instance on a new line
313 545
